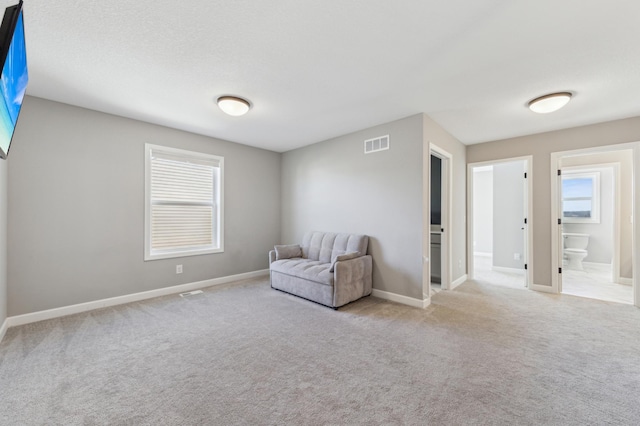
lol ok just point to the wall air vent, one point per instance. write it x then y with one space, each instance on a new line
380 143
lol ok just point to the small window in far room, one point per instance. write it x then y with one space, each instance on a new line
581 197
183 203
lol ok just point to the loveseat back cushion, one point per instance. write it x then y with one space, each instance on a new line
323 246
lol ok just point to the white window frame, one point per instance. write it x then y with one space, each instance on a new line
594 175
218 204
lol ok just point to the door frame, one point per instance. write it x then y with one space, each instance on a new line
556 203
445 215
528 227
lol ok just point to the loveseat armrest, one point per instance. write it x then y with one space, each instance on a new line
272 256
352 279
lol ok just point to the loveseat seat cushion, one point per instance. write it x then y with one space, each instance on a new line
311 270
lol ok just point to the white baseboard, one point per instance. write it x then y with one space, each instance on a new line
405 300
459 281
482 254
597 264
543 288
625 281
507 270
3 329
120 300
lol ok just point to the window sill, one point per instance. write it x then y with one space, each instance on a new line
182 253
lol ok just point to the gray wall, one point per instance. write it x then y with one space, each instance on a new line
333 186
540 146
508 214
76 208
483 211
624 160
3 239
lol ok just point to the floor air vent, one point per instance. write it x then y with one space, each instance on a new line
376 144
191 293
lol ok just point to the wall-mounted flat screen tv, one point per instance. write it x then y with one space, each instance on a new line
13 83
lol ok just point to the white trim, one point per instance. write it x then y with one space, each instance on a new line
528 245
483 169
625 281
398 298
482 254
617 219
635 244
556 229
597 264
134 297
3 329
470 252
508 270
459 281
543 288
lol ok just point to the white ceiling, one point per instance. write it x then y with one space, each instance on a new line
318 69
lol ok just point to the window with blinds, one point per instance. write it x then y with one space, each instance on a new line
183 203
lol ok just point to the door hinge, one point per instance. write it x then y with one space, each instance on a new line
525 220
559 270
525 175
559 221
559 172
525 266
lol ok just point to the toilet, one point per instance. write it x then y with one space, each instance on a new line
575 249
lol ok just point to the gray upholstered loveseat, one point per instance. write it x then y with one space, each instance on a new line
331 269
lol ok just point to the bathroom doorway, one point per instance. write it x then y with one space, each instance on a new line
595 208
440 219
498 227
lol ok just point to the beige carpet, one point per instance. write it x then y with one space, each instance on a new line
246 354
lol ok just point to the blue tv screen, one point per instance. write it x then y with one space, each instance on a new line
15 77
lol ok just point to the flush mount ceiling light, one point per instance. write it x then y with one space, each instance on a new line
233 105
549 103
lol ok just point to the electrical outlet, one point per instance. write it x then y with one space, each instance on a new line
178 269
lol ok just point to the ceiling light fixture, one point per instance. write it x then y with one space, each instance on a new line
233 105
549 103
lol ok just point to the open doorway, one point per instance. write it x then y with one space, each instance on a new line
440 220
499 231
595 208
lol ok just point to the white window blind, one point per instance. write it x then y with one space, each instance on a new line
183 203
